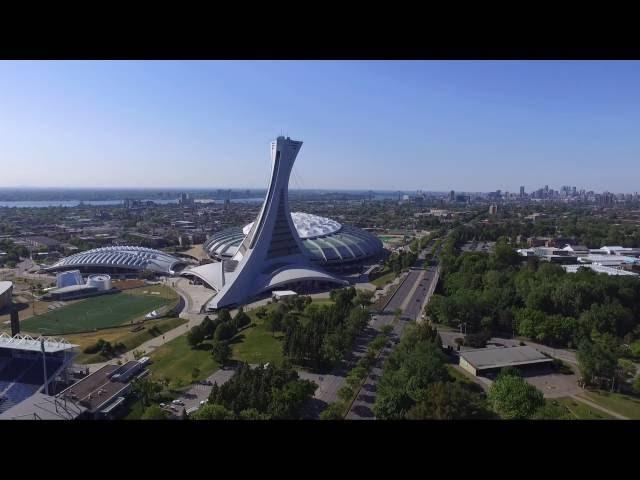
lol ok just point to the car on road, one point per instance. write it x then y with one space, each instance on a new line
177 401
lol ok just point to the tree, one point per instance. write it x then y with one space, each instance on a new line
513 398
333 412
195 373
252 414
241 319
213 411
598 359
146 389
224 331
154 412
221 352
450 401
224 315
363 298
195 336
345 393
207 326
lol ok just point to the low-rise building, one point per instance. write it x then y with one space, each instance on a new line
488 360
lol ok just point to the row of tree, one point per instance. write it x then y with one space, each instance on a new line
320 335
415 383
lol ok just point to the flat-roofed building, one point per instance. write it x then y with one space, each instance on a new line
599 269
486 360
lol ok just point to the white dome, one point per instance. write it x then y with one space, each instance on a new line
308 225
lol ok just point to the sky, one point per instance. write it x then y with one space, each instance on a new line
382 125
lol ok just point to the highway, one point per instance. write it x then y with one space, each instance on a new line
410 297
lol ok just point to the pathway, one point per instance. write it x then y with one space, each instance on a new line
599 407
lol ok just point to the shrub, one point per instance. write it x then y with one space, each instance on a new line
332 412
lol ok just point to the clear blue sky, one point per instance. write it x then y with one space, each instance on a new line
474 126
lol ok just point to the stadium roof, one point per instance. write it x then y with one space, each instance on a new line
4 286
26 342
325 240
121 257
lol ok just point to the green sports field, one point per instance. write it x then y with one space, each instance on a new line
97 312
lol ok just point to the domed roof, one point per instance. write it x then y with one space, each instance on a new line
308 225
325 240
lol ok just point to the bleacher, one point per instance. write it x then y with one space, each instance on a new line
22 377
21 369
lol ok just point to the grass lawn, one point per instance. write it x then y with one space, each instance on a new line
153 328
176 360
617 402
255 344
382 280
100 312
583 412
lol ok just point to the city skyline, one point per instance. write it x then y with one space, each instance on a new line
431 126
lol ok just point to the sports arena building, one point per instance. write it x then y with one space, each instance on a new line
120 260
280 250
327 243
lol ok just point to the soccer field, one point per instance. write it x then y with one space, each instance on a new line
97 312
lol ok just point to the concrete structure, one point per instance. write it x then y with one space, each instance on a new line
101 282
6 289
121 259
326 242
271 255
486 360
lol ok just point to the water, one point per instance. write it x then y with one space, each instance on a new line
98 203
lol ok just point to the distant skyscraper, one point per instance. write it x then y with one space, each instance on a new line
493 209
452 196
521 191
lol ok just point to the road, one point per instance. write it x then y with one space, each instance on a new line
410 298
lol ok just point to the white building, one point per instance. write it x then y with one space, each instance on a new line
271 255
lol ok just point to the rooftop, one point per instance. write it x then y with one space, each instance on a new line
503 357
26 342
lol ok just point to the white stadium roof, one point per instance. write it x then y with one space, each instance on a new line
26 342
121 257
4 286
325 241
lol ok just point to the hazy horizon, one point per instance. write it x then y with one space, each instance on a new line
472 126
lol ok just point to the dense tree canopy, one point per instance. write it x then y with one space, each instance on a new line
274 393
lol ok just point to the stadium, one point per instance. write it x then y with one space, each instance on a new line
280 249
120 260
39 382
326 242
31 365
